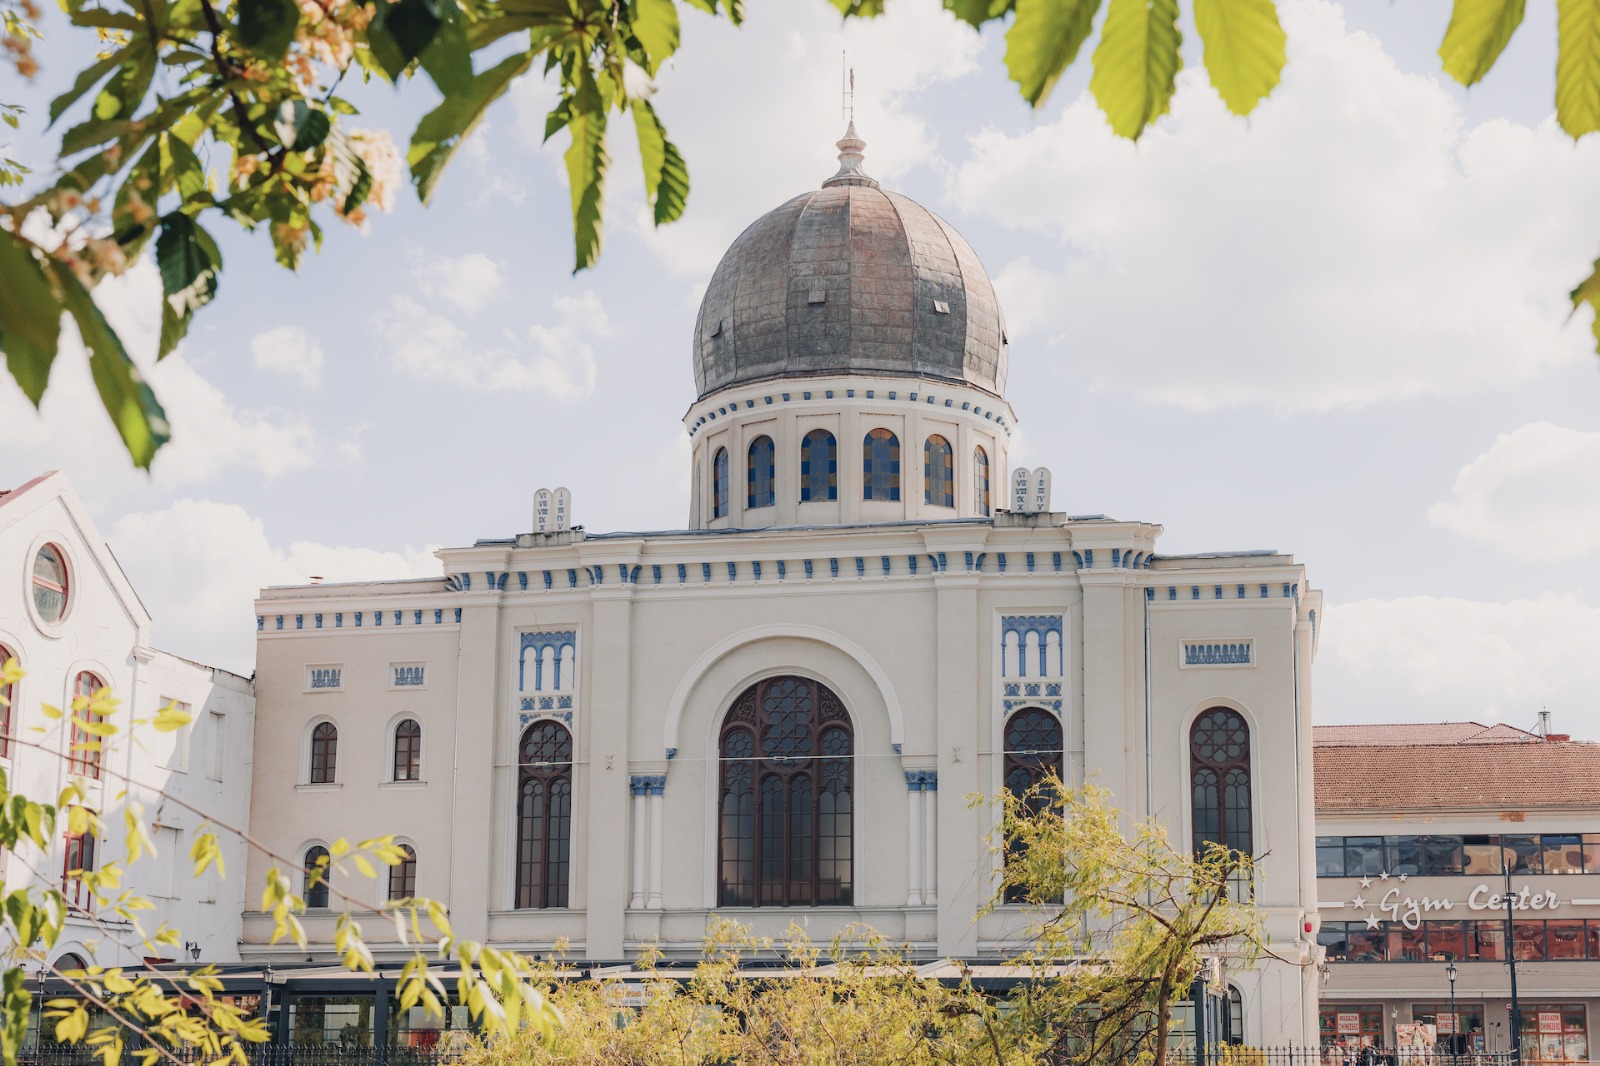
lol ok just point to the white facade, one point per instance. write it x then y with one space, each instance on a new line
104 632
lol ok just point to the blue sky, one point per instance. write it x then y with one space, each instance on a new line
1337 328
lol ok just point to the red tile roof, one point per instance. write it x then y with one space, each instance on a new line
1406 734
1454 776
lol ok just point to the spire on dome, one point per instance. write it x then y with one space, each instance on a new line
851 147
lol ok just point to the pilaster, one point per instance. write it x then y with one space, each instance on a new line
474 888
607 673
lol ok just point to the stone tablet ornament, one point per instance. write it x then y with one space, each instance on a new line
541 511
1039 503
1021 489
562 510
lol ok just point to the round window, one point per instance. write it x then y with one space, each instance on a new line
50 584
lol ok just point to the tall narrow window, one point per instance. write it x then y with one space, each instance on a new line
880 466
819 467
1219 780
786 808
324 753
760 491
938 473
980 481
84 755
79 859
719 484
1033 752
315 891
50 584
544 816
7 695
408 751
403 874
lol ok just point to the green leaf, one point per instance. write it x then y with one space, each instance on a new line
181 167
1478 32
443 129
128 400
402 31
126 89
87 80
30 317
655 23
1043 42
1243 49
976 12
189 263
1578 66
299 126
586 173
666 177
267 26
1588 292
867 9
448 60
1136 65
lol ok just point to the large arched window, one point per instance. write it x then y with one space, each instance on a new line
938 473
7 701
315 892
408 751
1033 752
761 473
544 815
84 754
403 874
719 484
980 481
880 466
819 467
786 805
1219 780
324 753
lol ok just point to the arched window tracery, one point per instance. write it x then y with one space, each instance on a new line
544 815
980 481
315 886
819 467
786 807
880 466
938 473
762 491
408 751
719 484
324 753
1219 781
1034 750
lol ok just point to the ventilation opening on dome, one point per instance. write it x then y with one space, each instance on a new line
941 307
716 331
818 296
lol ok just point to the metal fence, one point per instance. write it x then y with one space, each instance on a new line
260 1055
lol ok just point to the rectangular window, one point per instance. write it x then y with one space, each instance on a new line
1481 855
1441 855
178 757
1334 941
1368 945
1530 939
78 857
1330 856
1363 856
218 723
1562 854
1523 853
1404 855
1447 940
1486 941
1413 945
1564 938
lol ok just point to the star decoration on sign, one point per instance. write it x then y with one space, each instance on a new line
1366 882
1372 921
1384 876
1358 903
1402 879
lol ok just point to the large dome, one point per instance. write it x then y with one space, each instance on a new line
850 279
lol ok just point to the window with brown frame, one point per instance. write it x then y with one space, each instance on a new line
79 858
544 816
7 694
408 751
786 809
324 753
84 755
50 584
1033 751
1219 779
315 887
403 874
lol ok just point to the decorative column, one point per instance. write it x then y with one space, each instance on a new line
657 786
914 871
638 783
930 846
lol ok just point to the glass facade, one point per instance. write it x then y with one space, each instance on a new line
1448 856
1536 940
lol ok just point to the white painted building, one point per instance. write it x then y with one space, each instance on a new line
70 617
778 713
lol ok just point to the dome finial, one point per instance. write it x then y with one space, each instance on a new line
851 147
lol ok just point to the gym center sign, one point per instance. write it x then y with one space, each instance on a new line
1409 911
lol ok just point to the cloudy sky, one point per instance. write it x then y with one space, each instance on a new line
1337 329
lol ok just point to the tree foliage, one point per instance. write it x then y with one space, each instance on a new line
200 113
166 1010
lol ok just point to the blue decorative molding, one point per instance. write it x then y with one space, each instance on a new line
1199 653
358 619
318 619
672 753
523 720
1285 590
261 623
549 581
299 621
560 640
409 676
861 567
911 564
564 702
1053 689
1149 594
1029 558
458 616
326 677
1022 624
1053 705
783 571
885 566
1013 689
1031 689
1000 559
1088 558
377 618
280 621
338 620
897 749
833 567
705 572
572 578
1241 592
1116 558
1194 592
683 573
647 784
655 574
1055 562
1263 590
808 569
438 616
1172 592
922 780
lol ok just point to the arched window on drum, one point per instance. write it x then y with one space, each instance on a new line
1219 782
786 803
880 466
938 473
980 481
544 815
1034 752
762 474
819 467
719 484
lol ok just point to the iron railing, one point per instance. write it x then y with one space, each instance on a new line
263 1055
1238 1055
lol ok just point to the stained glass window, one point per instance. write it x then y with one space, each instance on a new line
408 751
544 816
719 484
938 473
819 467
880 473
1033 751
761 491
1219 760
786 806
980 481
324 753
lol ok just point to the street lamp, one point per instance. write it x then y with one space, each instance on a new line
1451 972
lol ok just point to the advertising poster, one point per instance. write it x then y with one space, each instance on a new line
1549 1021
1349 1024
1414 1042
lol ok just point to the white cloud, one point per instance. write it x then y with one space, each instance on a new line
199 564
1430 658
1534 493
1354 241
470 282
557 360
291 351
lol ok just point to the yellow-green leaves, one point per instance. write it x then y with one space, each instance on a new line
1578 66
1043 42
1588 292
205 852
587 161
30 317
446 127
666 177
170 718
1244 49
655 24
1136 65
1478 32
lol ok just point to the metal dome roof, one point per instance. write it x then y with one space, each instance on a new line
850 279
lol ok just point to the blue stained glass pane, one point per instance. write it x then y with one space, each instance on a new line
761 474
719 484
881 466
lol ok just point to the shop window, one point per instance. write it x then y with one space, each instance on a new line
1486 941
1564 938
1411 944
1555 1032
1447 941
1462 1034
339 1022
1368 945
1351 1025
417 1028
1562 854
1529 939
